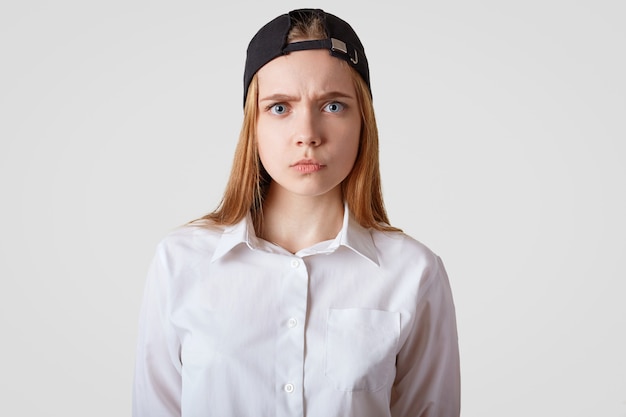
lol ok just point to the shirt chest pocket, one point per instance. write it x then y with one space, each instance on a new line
361 348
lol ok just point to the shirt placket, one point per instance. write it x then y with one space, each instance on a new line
290 340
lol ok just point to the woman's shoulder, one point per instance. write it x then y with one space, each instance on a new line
398 246
198 237
409 258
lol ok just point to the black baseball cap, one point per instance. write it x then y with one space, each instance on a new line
270 42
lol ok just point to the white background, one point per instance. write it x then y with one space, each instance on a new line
503 135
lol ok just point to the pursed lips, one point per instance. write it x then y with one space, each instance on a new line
307 166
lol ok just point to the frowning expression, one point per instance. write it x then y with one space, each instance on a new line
309 122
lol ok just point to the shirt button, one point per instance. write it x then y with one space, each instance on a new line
295 263
291 323
289 388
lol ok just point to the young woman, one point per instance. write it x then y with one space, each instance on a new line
296 297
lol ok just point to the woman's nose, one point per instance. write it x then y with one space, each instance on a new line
308 132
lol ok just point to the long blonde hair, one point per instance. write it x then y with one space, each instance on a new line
249 182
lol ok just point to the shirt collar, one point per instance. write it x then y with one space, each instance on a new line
352 235
355 237
233 236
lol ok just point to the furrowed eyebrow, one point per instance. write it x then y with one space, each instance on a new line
278 98
335 94
326 96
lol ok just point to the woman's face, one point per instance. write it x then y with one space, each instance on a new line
309 122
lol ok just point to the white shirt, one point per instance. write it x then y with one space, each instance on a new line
234 326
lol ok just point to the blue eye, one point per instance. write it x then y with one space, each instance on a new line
334 107
278 109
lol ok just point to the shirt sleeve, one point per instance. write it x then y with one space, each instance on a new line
157 380
427 380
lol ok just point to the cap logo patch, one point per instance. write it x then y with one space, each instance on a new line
337 45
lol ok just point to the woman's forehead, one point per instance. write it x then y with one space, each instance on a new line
311 70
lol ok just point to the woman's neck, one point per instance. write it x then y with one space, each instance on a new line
296 222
